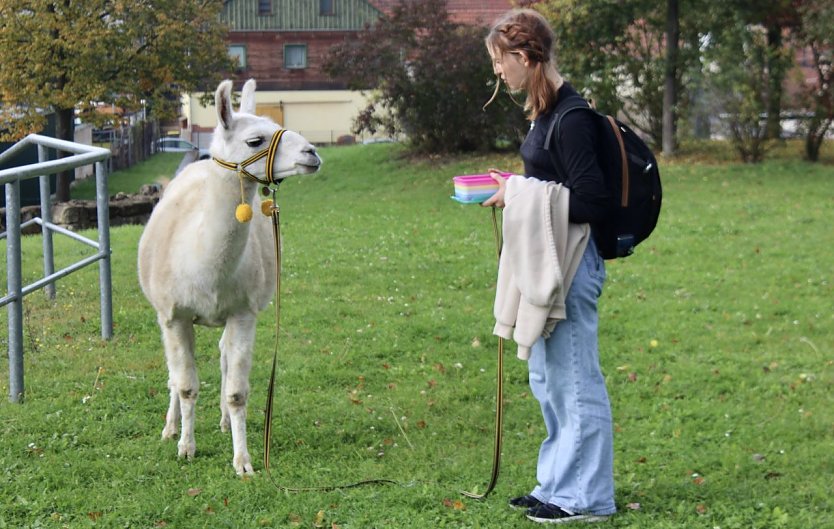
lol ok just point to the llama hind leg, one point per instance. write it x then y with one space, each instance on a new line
178 338
172 418
237 343
225 421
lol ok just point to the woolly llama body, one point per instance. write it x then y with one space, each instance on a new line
199 265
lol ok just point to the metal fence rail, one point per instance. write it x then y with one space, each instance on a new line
81 155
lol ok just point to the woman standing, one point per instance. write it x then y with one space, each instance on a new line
575 461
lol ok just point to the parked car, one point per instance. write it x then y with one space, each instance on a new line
180 145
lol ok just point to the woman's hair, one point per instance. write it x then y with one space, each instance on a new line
526 30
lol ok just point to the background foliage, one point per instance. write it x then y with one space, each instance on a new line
71 55
432 78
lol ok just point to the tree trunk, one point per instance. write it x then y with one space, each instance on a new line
65 130
670 95
776 75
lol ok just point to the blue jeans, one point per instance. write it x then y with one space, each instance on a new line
575 468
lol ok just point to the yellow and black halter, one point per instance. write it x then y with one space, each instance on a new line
243 213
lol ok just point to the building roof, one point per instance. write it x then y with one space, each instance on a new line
480 12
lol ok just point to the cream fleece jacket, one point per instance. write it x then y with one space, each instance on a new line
541 253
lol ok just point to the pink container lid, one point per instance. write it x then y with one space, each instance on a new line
477 179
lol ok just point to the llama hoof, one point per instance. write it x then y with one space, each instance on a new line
169 432
243 466
186 450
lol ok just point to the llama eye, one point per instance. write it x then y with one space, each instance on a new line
255 142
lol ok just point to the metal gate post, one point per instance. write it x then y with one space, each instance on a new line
14 282
105 281
46 215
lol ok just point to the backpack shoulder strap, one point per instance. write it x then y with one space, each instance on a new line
623 160
554 127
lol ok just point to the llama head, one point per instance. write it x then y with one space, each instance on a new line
240 135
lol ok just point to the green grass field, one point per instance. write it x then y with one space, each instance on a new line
716 341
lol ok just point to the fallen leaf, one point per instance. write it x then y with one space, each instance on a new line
194 492
94 516
632 377
633 506
701 508
319 520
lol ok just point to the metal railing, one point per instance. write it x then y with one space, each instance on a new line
81 155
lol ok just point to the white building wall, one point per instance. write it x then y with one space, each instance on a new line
321 116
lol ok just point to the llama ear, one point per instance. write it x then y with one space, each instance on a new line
247 97
223 102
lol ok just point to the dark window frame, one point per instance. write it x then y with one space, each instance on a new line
327 8
244 64
296 45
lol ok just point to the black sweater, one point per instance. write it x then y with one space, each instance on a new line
589 199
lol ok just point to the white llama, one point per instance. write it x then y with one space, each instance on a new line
198 264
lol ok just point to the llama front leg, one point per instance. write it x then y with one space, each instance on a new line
178 339
236 345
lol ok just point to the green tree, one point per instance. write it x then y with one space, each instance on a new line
777 17
817 94
432 78
67 55
738 74
615 51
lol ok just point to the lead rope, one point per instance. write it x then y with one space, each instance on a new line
276 236
499 392
499 407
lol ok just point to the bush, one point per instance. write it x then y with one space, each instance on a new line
432 78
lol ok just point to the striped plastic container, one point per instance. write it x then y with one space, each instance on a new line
474 189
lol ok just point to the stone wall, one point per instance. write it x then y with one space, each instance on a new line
81 214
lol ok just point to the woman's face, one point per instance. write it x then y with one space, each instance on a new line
511 67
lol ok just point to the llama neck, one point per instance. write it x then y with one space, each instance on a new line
223 236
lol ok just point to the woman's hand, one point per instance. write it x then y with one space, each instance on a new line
497 199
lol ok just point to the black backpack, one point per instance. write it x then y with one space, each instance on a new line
631 175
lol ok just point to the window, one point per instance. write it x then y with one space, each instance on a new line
238 53
295 56
326 8
264 7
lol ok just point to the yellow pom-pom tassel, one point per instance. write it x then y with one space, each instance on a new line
243 213
266 207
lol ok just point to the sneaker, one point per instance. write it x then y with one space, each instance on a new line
549 513
525 502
